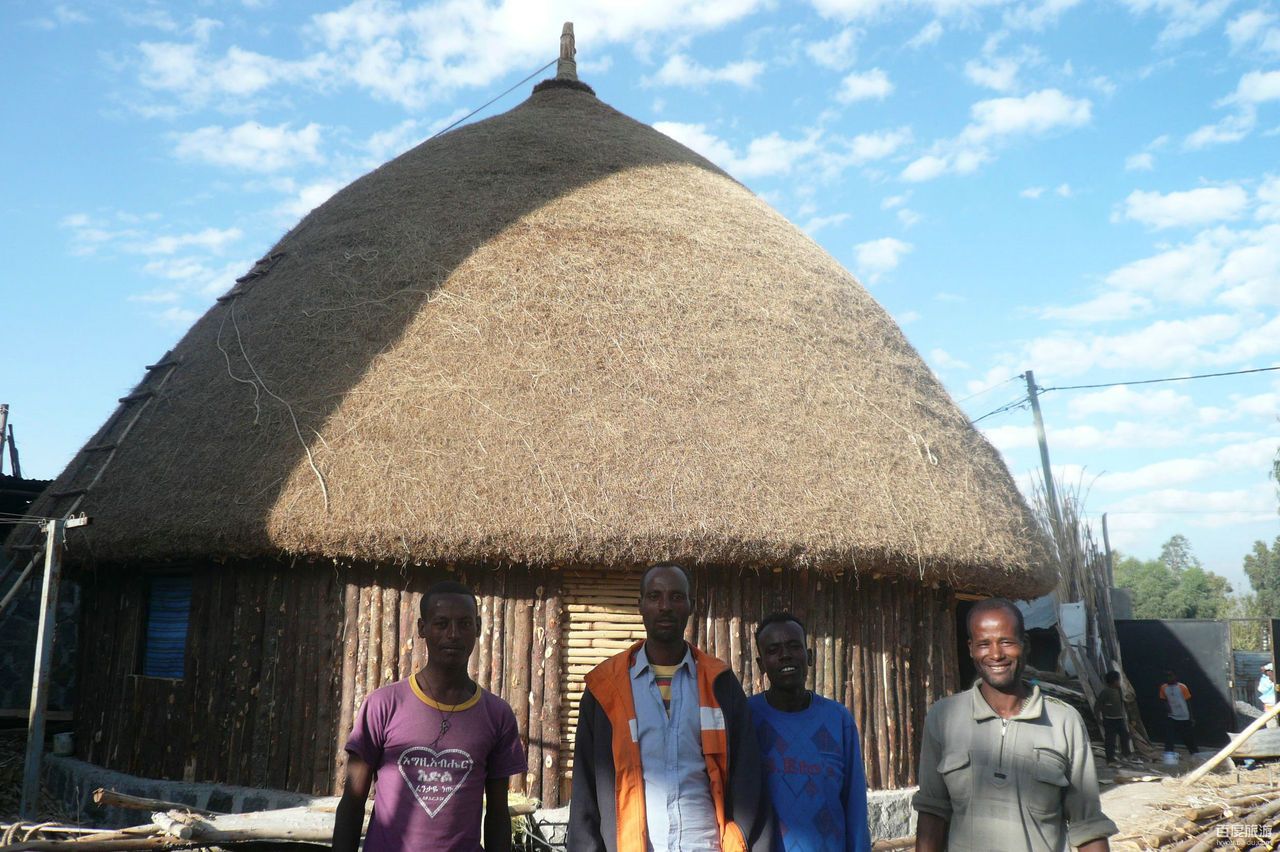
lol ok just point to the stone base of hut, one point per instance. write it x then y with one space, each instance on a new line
280 655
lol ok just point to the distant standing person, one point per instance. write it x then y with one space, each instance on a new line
439 745
1267 690
1179 723
812 756
1110 710
1003 767
665 757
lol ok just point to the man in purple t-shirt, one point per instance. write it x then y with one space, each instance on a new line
440 747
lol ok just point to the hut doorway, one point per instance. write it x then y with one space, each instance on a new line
601 618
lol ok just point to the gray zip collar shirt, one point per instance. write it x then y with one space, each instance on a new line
1023 783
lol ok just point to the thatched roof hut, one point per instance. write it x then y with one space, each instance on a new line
556 343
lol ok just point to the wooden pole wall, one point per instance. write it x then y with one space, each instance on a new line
282 656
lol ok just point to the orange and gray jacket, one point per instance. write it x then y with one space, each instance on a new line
607 811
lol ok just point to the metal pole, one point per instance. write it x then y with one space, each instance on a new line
4 422
1049 488
44 657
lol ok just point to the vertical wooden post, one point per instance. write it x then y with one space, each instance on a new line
56 530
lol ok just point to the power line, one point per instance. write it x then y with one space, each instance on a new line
1008 406
985 390
1158 381
495 98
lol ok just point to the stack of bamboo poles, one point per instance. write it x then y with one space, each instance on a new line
1249 821
1084 575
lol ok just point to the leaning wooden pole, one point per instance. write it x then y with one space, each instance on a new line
56 530
1230 747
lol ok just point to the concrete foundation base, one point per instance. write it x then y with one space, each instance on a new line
889 815
71 782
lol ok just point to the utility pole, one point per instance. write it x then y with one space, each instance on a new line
1050 490
56 534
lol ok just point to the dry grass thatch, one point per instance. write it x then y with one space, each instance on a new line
558 336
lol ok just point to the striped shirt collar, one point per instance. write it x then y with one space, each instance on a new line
641 665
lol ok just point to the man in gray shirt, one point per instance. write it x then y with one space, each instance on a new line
1004 767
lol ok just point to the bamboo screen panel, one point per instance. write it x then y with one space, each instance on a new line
601 617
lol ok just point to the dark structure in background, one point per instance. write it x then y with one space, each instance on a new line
1200 653
18 620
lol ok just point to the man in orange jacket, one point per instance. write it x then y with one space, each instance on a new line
666 757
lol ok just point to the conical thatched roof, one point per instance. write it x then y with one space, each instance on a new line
558 336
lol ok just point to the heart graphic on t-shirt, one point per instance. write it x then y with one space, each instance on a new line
434 776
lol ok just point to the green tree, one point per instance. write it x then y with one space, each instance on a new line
1175 585
1150 583
1177 554
1200 594
1262 567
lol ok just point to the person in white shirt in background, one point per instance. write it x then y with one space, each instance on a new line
1267 690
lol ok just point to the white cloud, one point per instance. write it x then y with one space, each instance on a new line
817 223
929 34
308 198
868 85
1231 128
387 144
1257 87
925 168
413 56
251 146
1161 474
1205 508
1260 405
995 122
908 218
837 52
1185 18
680 70
1064 190
1268 197
187 70
908 317
208 239
1110 306
1162 344
1032 192
876 257
1037 17
764 156
1124 400
944 360
178 317
1254 29
1143 162
774 154
1036 113
893 201
999 73
1191 207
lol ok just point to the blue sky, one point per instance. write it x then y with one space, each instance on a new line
1090 190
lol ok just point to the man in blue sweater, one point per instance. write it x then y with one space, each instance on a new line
810 748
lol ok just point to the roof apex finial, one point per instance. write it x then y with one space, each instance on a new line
567 66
